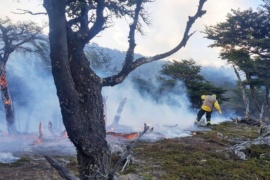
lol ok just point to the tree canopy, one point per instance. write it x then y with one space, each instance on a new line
188 72
21 37
244 39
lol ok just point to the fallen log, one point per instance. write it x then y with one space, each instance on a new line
250 120
64 172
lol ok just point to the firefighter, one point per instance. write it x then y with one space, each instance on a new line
208 102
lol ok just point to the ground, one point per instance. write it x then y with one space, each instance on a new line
204 155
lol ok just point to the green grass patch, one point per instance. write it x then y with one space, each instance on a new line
205 155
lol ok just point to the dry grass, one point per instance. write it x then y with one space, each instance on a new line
205 155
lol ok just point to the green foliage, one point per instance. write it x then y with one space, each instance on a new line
244 39
188 72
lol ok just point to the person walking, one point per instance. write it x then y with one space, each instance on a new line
209 101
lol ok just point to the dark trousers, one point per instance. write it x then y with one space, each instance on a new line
201 113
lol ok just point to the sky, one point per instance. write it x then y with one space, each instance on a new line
168 19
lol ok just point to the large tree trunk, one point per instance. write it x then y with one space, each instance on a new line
91 133
79 88
7 101
79 93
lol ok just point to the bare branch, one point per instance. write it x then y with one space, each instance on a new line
127 153
29 12
129 67
100 21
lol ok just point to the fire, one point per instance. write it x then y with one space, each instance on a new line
7 102
123 135
64 134
38 140
3 81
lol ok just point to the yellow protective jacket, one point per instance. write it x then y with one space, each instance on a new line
209 102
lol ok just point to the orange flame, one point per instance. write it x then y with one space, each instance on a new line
7 102
123 135
64 134
38 140
3 81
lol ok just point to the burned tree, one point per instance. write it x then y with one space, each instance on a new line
22 37
73 23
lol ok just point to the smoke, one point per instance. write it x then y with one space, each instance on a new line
140 109
220 76
33 92
7 157
35 101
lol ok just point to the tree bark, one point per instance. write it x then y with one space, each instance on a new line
245 98
79 88
7 101
252 92
90 132
79 92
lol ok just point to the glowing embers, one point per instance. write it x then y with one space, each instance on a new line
3 81
40 133
128 136
52 137
7 102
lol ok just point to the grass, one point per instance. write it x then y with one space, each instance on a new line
20 162
205 155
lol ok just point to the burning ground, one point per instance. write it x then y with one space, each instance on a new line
202 155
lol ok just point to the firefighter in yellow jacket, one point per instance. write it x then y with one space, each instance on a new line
209 101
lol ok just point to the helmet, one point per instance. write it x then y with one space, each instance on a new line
214 95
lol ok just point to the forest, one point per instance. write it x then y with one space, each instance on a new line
63 77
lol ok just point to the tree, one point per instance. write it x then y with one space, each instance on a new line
22 37
244 39
78 86
188 72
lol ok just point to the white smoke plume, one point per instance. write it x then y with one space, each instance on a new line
35 102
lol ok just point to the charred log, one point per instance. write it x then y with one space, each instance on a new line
64 172
248 120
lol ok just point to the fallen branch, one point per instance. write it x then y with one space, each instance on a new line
127 153
64 172
126 163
